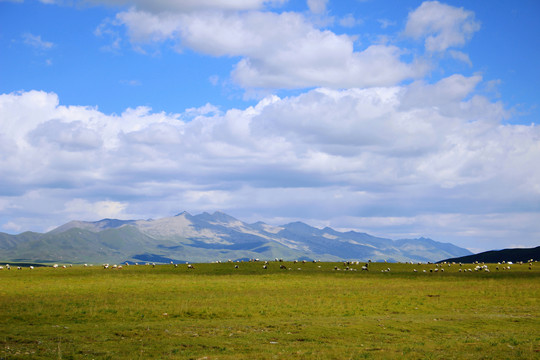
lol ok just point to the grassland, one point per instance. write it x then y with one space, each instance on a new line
217 312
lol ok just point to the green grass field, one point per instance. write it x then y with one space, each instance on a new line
218 312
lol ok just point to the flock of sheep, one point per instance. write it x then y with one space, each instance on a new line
347 266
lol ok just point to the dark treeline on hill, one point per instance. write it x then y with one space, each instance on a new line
494 256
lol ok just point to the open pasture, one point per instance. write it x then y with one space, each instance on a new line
306 311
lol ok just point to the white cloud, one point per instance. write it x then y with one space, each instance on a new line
36 42
277 50
317 6
443 26
461 56
11 226
83 209
385 23
349 21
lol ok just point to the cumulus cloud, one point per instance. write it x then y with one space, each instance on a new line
277 50
287 49
401 152
443 26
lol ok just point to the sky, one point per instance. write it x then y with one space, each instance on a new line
400 118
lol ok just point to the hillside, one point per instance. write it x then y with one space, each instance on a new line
210 237
495 256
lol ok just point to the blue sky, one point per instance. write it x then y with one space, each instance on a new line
397 118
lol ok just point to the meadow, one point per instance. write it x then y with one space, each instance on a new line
308 311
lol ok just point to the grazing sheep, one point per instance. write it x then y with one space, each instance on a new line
31 267
55 266
282 267
265 267
19 268
190 266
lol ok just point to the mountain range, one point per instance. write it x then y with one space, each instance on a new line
210 237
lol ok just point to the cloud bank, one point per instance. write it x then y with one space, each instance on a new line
409 157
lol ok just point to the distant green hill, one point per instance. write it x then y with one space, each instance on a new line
207 238
495 256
